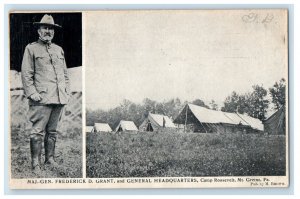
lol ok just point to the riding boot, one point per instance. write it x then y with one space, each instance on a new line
36 141
49 144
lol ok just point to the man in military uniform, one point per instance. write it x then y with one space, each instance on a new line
46 84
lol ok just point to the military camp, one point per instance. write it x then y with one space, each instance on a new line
186 139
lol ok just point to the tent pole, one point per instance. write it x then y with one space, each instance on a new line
203 127
185 118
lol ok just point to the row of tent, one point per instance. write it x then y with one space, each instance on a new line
151 123
104 127
199 119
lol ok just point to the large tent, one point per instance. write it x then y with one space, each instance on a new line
102 127
276 123
200 119
126 126
155 121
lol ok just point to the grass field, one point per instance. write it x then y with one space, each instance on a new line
167 154
68 156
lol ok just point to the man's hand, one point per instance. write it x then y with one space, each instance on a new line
36 97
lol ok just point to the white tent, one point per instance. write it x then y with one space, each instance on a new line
102 127
126 126
89 129
209 116
205 119
253 122
156 121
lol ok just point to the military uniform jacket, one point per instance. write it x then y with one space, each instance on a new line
44 71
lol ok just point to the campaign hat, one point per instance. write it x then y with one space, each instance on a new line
47 20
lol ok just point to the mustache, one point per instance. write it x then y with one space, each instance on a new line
47 34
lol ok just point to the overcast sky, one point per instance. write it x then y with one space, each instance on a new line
186 54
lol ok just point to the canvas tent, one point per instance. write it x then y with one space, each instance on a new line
155 121
275 124
89 129
200 119
102 127
126 126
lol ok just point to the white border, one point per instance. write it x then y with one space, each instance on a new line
293 76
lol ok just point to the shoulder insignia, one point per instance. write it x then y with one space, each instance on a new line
33 43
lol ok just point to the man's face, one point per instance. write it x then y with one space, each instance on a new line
46 33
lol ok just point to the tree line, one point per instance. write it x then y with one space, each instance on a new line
254 103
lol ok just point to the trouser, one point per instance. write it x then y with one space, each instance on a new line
44 119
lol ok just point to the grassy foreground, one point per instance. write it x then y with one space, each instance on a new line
167 154
68 155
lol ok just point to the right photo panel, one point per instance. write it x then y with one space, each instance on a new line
187 98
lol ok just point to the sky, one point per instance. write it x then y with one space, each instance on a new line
186 54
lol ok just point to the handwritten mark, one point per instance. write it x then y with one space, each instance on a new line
250 18
255 18
268 18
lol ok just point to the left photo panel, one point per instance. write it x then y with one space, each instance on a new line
45 95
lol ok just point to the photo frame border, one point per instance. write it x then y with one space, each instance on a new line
199 191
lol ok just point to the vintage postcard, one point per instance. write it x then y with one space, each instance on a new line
149 99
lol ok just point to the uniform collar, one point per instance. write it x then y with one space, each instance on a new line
40 41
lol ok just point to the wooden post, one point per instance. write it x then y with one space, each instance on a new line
185 118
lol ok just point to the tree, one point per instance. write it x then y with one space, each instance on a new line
277 93
160 108
149 106
257 102
231 103
125 107
93 116
200 102
254 103
172 107
244 103
213 105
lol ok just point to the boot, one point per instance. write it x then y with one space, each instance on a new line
49 144
36 141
